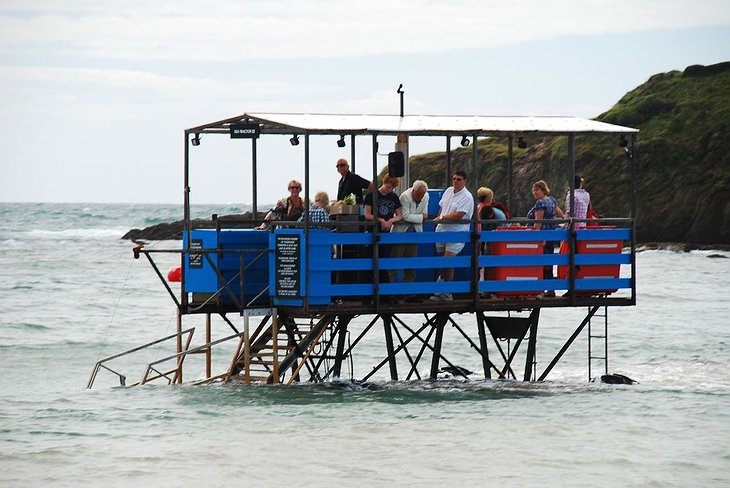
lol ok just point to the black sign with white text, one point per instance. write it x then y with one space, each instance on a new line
287 266
245 131
195 259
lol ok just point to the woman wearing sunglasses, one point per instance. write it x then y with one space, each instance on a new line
288 208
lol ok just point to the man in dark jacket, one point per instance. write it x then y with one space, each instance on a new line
350 182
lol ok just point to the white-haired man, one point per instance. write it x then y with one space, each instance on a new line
414 207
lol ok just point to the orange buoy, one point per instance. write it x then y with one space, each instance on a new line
174 274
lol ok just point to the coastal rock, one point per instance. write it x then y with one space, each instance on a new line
174 230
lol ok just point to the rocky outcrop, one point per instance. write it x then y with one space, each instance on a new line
174 230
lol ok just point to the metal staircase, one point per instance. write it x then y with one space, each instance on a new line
279 350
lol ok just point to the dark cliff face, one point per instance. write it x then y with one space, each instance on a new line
683 160
684 153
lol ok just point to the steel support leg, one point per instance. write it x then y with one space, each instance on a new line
531 344
483 345
387 324
344 321
441 319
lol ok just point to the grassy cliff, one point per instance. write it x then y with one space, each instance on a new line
683 160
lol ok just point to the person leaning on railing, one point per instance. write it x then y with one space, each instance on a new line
387 214
487 211
287 208
414 207
490 209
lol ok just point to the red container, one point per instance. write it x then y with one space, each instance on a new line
507 273
594 270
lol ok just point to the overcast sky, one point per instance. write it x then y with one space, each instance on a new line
95 95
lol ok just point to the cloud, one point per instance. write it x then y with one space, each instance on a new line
125 94
91 76
234 31
161 85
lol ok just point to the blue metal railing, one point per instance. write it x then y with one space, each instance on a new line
506 262
595 271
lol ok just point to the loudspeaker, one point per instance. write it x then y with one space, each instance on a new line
396 164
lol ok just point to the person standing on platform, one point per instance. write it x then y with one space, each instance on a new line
456 204
582 203
389 206
545 208
387 214
350 182
414 208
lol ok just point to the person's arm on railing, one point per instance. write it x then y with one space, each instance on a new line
412 217
387 224
451 216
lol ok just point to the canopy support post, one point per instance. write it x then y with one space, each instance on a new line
254 177
510 157
448 162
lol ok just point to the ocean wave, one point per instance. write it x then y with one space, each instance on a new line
88 213
150 221
21 287
52 347
28 326
712 253
720 249
381 391
77 233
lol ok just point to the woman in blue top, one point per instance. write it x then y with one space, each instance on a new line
545 208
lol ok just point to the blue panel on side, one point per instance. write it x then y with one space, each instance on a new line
248 258
319 279
245 248
199 274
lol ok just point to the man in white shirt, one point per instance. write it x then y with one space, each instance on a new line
456 204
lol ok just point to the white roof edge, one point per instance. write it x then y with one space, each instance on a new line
424 124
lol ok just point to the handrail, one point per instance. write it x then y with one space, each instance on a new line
513 220
183 354
224 284
99 364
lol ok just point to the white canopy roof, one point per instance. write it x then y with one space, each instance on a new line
288 123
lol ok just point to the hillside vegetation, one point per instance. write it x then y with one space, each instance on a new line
683 160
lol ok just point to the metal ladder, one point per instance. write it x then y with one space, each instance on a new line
602 337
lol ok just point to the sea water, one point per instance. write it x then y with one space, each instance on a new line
72 293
